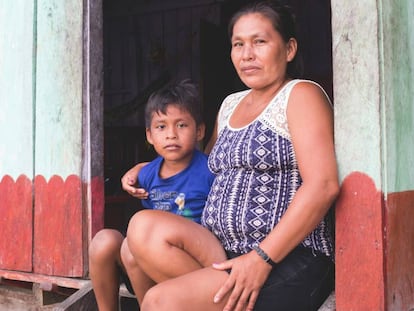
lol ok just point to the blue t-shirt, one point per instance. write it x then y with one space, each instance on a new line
184 193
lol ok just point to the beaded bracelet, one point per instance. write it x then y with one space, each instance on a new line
264 256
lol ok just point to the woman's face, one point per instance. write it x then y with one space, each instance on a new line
259 54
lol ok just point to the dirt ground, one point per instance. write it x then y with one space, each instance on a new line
14 298
20 299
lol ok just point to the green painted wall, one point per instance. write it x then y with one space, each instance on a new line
41 65
356 88
58 143
16 88
397 66
51 118
373 50
397 106
373 65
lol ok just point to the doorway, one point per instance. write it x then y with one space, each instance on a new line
148 43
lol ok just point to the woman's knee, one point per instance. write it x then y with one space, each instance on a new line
138 222
141 230
156 299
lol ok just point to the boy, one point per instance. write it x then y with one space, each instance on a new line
178 181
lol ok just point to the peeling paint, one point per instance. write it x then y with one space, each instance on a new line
359 245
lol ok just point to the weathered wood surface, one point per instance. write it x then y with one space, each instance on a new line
43 279
17 299
16 133
59 245
82 300
359 245
60 193
16 88
30 292
41 134
16 223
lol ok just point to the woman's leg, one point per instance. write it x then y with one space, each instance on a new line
192 291
140 282
166 245
302 281
104 264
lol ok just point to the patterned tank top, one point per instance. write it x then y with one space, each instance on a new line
257 176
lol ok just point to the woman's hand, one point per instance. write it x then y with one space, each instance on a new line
247 276
129 181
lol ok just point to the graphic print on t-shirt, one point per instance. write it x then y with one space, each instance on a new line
164 200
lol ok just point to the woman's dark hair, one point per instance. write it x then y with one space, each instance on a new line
183 94
283 21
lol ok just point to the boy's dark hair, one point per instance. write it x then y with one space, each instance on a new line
283 20
183 94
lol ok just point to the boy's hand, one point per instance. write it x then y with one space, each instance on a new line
129 181
139 193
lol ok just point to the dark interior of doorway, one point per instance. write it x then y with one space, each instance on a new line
149 42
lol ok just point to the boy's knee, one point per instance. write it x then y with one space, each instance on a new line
127 259
106 241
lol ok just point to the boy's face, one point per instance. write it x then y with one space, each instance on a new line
175 134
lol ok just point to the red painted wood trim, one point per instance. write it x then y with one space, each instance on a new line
59 247
16 219
360 263
400 250
98 204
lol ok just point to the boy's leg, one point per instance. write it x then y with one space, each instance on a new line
140 282
104 265
166 245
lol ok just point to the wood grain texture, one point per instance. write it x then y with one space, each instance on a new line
58 225
16 223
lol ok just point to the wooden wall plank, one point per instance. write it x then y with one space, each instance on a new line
360 245
58 244
59 248
16 223
16 133
58 143
400 251
93 107
16 88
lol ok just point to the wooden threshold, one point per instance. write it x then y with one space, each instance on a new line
47 282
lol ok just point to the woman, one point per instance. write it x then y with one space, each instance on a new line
272 152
